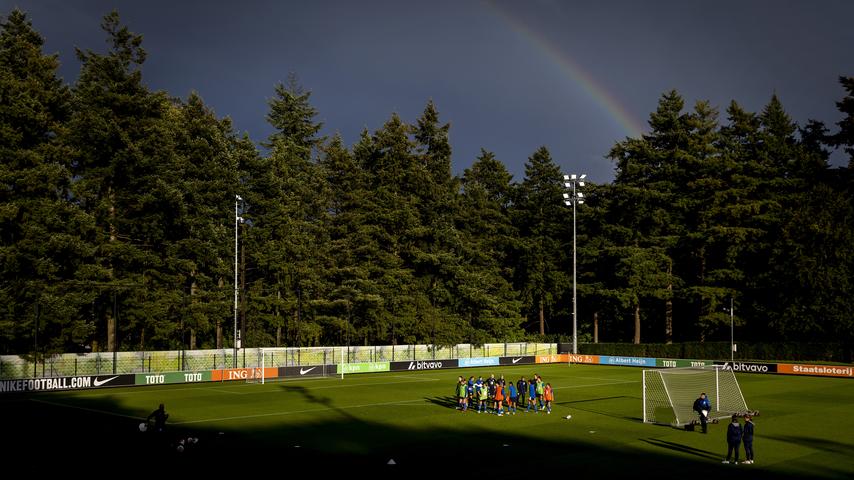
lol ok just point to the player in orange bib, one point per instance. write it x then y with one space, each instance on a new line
499 398
548 396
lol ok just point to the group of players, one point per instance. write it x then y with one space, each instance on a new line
494 394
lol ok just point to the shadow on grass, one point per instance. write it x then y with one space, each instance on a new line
68 439
577 404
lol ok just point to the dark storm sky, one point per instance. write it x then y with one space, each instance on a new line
508 76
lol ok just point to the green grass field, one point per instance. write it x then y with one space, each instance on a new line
805 428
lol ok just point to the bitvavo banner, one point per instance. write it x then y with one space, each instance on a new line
424 365
749 367
65 383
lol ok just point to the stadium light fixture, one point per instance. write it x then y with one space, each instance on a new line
573 182
237 220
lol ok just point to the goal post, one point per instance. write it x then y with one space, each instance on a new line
669 394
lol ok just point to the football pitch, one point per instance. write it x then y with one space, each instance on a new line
805 428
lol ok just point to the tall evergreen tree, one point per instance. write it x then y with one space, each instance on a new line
45 244
541 219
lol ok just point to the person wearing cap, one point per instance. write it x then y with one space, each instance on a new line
702 406
733 439
747 438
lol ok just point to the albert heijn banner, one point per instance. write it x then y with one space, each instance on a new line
65 383
424 365
479 362
749 367
517 360
626 361
229 374
843 371
558 358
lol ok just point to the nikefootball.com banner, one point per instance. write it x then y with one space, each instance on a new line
65 383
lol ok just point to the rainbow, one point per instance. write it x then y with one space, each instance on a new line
575 72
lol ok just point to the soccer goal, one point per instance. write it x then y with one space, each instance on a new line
669 394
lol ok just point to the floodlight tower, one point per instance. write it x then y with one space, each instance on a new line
574 197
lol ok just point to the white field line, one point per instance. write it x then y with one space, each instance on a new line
94 410
292 412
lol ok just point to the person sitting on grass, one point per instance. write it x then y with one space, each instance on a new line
160 417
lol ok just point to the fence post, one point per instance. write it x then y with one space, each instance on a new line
75 365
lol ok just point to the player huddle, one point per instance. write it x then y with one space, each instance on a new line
493 395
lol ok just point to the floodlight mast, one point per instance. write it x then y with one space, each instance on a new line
573 182
237 220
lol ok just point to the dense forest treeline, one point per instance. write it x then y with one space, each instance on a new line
118 206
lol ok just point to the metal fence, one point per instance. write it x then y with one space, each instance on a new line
69 364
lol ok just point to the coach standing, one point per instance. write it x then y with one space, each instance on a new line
702 406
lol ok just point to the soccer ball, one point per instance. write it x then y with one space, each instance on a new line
568 417
143 427
180 449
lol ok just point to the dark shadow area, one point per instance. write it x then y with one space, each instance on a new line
823 444
446 402
51 438
677 447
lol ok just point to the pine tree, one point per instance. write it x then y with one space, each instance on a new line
539 217
45 244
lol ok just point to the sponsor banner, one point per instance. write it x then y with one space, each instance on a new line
424 365
591 359
305 371
559 358
65 383
172 377
517 360
479 362
845 371
365 367
749 367
627 361
243 374
678 363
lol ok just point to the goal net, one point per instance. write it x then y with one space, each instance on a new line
669 394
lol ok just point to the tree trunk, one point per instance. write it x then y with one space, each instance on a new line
219 321
637 324
111 320
668 306
595 327
192 345
542 318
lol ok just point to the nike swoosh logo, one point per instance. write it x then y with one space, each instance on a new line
303 372
98 383
516 360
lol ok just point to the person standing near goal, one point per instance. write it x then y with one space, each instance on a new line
733 439
702 406
747 438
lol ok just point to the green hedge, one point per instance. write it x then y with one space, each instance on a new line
784 351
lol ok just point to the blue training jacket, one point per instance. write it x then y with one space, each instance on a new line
733 432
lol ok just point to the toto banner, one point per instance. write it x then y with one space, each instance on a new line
749 367
517 360
65 383
424 365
